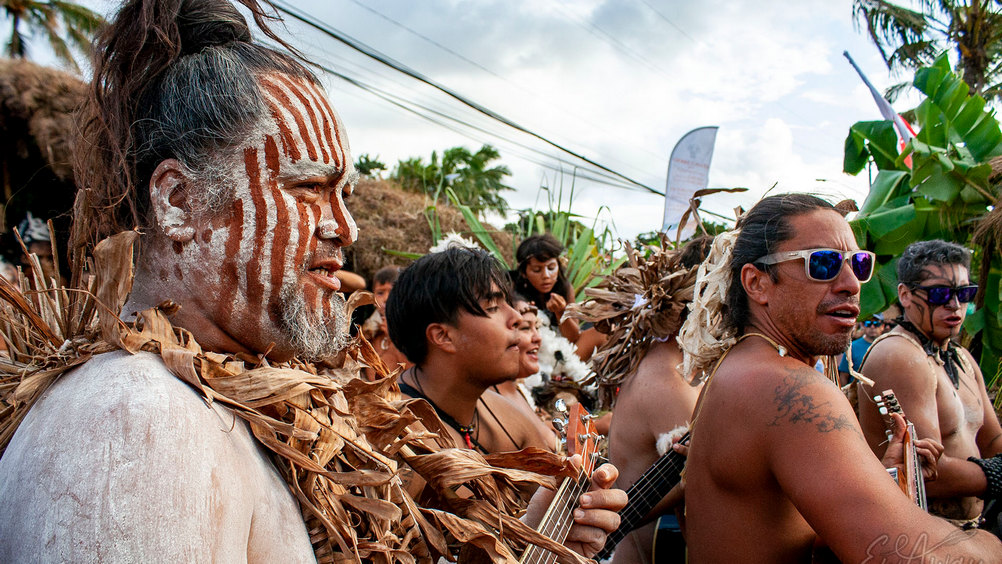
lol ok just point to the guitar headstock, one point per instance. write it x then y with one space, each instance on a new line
579 434
887 403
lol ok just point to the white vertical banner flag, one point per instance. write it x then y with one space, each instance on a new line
688 171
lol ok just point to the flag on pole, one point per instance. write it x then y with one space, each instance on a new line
688 171
904 130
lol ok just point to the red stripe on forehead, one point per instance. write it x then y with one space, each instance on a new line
255 286
229 277
330 123
288 141
282 233
297 91
285 102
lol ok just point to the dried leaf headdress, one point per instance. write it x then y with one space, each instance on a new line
705 336
641 302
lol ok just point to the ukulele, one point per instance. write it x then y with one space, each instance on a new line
581 438
644 494
910 481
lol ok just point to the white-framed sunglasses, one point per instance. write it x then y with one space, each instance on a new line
824 265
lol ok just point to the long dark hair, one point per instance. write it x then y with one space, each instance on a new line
172 79
542 248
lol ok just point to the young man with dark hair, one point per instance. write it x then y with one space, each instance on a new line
937 382
450 313
777 462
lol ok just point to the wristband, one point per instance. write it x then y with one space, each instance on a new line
992 467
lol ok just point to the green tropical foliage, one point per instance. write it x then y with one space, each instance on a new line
64 25
369 166
944 194
910 38
470 176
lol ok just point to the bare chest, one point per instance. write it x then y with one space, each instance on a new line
961 409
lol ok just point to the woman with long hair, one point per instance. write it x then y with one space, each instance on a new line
540 277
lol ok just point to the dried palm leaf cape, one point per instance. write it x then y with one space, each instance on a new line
340 442
705 336
638 304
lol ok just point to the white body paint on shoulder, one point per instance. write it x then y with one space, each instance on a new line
120 461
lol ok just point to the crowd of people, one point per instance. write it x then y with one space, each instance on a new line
228 157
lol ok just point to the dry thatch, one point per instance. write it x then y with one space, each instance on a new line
391 219
641 302
36 106
339 441
36 129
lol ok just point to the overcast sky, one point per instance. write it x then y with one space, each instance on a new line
618 81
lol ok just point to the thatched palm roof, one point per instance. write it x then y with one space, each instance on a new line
36 128
36 105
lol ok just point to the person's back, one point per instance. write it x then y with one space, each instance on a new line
79 482
652 402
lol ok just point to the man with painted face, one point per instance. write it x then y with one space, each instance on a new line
777 462
229 158
937 382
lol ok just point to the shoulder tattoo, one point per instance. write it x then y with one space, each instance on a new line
795 404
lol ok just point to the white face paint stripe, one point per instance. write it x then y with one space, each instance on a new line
334 134
285 237
295 117
308 114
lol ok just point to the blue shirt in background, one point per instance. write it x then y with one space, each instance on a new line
859 347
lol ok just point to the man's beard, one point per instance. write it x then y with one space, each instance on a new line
311 337
831 345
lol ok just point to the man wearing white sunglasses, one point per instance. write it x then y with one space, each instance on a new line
937 382
777 463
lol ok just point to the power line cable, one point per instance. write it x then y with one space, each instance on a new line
409 106
368 51
614 42
462 57
510 145
670 22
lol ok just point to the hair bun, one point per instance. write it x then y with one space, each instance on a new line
204 24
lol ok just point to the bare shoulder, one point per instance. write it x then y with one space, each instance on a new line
893 354
897 362
106 449
513 421
782 392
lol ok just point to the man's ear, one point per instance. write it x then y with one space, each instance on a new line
439 335
169 198
904 296
757 283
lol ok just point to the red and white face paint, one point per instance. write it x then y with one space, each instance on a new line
268 257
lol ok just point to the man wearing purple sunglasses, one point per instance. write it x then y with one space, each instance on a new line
937 382
778 464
